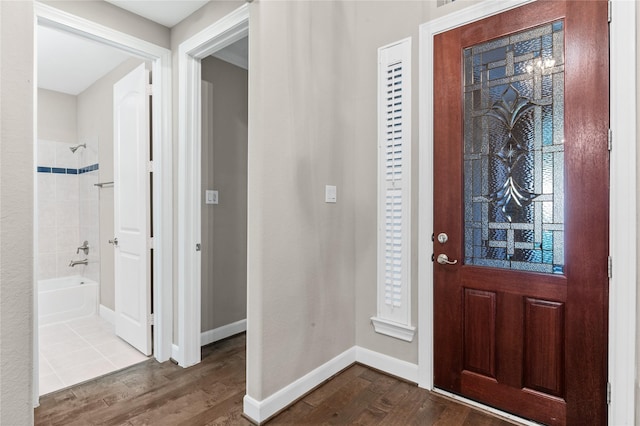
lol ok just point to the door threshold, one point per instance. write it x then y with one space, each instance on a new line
495 411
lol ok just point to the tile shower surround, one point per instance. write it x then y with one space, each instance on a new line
68 213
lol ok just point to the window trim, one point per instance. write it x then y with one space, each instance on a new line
394 321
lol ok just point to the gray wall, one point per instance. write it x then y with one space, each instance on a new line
95 127
224 168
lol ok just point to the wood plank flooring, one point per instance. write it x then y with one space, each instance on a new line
211 393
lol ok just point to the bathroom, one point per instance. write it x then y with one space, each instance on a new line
75 210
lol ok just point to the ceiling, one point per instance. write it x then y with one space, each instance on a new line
70 64
164 12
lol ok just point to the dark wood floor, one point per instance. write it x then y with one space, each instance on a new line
211 393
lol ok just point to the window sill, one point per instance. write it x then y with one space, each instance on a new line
393 329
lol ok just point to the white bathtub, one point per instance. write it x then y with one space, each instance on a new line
63 299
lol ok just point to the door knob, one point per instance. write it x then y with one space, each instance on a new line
114 242
443 259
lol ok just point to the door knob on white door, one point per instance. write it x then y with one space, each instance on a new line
443 259
114 242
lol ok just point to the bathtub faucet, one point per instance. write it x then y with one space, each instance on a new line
79 262
84 247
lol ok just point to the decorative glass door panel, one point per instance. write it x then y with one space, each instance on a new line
514 151
520 177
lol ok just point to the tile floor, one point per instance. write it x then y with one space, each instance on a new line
79 350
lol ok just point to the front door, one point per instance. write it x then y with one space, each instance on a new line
521 178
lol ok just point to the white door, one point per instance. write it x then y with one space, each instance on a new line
131 203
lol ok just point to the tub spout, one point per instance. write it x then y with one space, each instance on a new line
79 262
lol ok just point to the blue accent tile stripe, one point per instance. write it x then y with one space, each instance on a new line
88 168
65 171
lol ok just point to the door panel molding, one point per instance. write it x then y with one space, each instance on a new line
622 294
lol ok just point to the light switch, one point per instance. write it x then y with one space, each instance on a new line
330 194
211 196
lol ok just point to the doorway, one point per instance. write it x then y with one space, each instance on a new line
87 151
227 31
531 160
224 192
620 310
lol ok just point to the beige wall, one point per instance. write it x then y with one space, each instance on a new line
16 212
401 20
301 137
377 24
95 128
57 116
224 168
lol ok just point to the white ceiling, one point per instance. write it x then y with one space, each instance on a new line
69 64
164 12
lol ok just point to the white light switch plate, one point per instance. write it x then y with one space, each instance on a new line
211 197
330 194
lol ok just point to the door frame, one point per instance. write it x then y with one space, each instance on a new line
622 204
161 131
217 36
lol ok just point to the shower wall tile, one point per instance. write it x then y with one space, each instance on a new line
63 195
67 213
90 217
46 239
67 187
47 152
89 155
47 266
46 187
64 157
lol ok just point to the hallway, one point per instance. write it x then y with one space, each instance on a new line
211 393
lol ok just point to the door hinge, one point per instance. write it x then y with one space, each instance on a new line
152 319
610 267
151 242
609 11
610 143
608 393
150 167
149 89
198 247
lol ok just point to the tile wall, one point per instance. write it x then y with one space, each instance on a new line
67 209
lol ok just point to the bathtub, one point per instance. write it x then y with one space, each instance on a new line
63 299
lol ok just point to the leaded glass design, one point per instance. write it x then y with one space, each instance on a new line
514 151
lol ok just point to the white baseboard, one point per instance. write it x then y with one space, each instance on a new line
107 315
259 411
223 332
175 352
390 365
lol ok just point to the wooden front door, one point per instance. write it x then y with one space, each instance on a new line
521 172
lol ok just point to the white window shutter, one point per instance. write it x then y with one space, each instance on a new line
394 191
